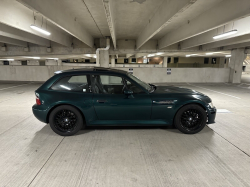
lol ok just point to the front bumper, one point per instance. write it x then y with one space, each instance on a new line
211 114
41 115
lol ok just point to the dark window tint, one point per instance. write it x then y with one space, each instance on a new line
176 59
105 84
72 83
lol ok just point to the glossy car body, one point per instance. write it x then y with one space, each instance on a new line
156 107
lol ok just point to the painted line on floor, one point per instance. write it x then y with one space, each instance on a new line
222 111
214 91
13 86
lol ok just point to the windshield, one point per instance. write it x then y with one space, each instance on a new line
143 84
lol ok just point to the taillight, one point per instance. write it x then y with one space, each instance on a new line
38 101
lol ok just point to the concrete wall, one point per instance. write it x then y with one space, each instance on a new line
153 75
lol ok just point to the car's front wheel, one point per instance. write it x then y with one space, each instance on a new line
190 119
65 120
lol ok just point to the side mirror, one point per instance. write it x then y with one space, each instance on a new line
128 92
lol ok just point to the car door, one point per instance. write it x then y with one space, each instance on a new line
111 103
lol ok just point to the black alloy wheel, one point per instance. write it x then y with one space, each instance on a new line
191 119
66 120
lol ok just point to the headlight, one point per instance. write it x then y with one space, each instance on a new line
211 105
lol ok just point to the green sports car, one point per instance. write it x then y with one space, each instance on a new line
74 99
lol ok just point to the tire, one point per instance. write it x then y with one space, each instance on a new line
190 119
66 120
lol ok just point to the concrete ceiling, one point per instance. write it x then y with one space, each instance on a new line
132 17
173 27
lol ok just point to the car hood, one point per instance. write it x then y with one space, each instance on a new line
174 89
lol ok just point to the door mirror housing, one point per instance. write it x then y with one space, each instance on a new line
128 92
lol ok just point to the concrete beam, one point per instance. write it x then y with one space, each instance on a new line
12 41
129 55
109 11
166 14
42 51
236 46
10 32
20 17
53 11
242 26
223 13
228 42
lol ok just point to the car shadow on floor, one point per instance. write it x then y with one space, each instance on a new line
121 128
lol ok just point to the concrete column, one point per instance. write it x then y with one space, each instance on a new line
165 62
104 59
222 62
59 62
235 65
112 60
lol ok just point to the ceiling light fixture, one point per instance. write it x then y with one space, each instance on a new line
225 34
150 55
191 55
52 58
228 55
33 57
209 53
159 53
40 29
7 59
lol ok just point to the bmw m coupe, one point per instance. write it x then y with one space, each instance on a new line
74 99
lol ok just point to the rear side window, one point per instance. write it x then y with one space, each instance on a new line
72 83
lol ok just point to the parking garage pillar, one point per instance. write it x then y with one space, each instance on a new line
165 62
104 54
235 65
112 60
104 59
222 62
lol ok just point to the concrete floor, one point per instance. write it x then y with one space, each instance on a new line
31 154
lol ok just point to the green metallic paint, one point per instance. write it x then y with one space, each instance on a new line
156 108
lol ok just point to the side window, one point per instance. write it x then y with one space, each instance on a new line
105 84
77 83
134 88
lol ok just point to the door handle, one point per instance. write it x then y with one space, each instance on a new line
101 101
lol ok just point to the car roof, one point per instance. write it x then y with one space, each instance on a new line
91 69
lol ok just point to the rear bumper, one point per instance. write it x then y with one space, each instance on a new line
41 115
211 115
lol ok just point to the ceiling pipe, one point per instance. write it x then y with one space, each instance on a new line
102 49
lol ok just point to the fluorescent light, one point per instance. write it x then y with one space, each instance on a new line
40 29
33 57
7 59
159 53
150 55
209 53
65 87
228 55
225 34
191 55
52 58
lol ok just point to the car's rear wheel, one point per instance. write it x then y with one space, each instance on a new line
65 120
190 119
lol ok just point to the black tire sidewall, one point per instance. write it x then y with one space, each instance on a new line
79 123
177 120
